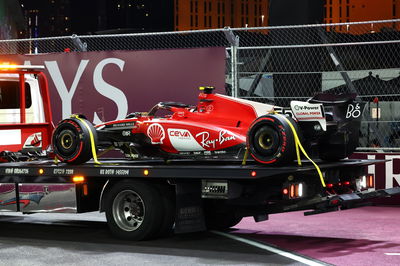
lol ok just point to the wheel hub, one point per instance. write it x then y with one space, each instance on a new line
128 210
265 141
66 140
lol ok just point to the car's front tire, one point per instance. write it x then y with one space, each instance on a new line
72 140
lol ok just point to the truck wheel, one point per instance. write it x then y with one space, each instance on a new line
134 210
270 140
71 140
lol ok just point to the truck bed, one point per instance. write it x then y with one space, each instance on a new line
187 169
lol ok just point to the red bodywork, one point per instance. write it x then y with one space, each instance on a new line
218 124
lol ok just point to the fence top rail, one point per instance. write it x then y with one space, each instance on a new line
319 25
203 31
315 45
120 35
117 35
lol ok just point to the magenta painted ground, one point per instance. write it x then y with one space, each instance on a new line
352 237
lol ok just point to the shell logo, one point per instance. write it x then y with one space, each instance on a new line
156 133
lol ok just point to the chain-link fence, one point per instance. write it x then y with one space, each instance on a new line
279 64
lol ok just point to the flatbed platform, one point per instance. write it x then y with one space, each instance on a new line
188 169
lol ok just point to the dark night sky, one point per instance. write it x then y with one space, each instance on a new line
90 16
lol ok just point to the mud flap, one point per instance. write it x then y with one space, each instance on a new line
189 209
352 200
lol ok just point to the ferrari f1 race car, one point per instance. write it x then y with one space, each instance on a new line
326 125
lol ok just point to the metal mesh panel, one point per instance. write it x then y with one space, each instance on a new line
279 64
143 41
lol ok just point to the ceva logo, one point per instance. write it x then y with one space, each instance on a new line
179 133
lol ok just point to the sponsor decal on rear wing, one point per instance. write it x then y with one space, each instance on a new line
304 111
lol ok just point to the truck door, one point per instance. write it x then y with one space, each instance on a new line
25 115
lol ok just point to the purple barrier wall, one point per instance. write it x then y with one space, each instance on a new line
108 85
387 174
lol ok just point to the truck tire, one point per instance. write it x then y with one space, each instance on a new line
167 193
71 140
134 210
270 140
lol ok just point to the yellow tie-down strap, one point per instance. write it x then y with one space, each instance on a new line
92 144
299 146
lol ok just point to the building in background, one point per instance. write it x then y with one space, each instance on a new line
11 20
45 18
341 11
66 17
206 14
210 14
136 15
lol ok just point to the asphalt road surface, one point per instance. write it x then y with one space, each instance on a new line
357 237
84 239
364 236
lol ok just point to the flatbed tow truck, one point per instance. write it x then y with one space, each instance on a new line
145 199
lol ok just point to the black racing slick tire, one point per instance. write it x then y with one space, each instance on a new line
72 140
134 210
270 140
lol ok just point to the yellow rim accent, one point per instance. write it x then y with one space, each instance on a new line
261 142
64 142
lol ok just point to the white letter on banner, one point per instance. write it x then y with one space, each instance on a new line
109 91
389 171
65 95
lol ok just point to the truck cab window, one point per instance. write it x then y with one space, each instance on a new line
9 95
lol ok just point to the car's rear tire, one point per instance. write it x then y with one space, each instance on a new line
134 210
270 140
71 140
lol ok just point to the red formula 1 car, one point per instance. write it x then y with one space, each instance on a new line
220 126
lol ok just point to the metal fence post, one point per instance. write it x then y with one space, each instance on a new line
234 42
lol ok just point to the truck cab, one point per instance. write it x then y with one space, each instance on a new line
25 115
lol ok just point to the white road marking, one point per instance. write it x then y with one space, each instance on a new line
392 254
271 249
